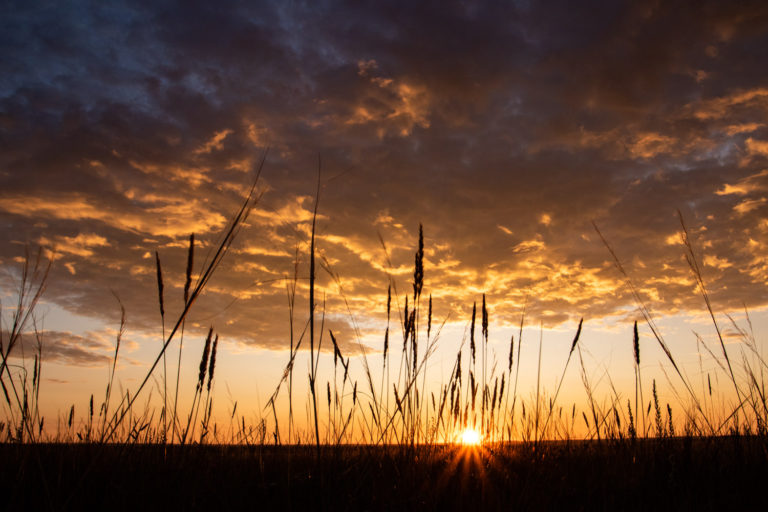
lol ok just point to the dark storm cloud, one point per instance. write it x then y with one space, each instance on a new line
504 127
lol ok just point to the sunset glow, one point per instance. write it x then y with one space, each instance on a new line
511 132
435 255
470 437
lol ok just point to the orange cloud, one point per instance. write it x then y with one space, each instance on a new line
748 205
648 145
394 107
533 245
195 176
736 129
215 142
80 245
753 183
757 147
718 108
177 217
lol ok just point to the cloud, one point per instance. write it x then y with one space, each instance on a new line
747 185
749 205
718 108
216 142
406 108
64 348
171 217
80 245
504 129
736 129
648 145
757 147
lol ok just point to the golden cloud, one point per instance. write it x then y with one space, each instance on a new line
752 183
748 205
756 147
719 108
80 245
736 129
214 143
394 106
178 217
648 145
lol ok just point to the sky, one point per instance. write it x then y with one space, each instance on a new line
504 128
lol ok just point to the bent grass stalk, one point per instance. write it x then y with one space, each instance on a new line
693 263
187 284
652 325
562 377
230 234
312 310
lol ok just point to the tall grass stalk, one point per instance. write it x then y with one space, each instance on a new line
562 377
187 284
693 263
291 290
653 327
538 383
34 276
161 301
312 311
517 366
638 379
108 395
229 235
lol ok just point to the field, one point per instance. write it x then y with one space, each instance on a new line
680 473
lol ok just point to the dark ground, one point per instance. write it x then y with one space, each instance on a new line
683 474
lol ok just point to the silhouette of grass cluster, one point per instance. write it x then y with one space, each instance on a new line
388 442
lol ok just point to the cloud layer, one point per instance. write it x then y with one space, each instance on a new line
503 129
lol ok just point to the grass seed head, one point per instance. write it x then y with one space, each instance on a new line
386 344
418 267
576 338
636 345
204 359
472 332
160 284
429 317
190 264
212 365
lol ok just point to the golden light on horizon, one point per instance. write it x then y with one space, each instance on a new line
470 437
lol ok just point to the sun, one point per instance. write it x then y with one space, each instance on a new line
470 437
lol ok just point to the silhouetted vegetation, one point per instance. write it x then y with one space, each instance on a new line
385 443
685 474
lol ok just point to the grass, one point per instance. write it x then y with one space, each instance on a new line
389 442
